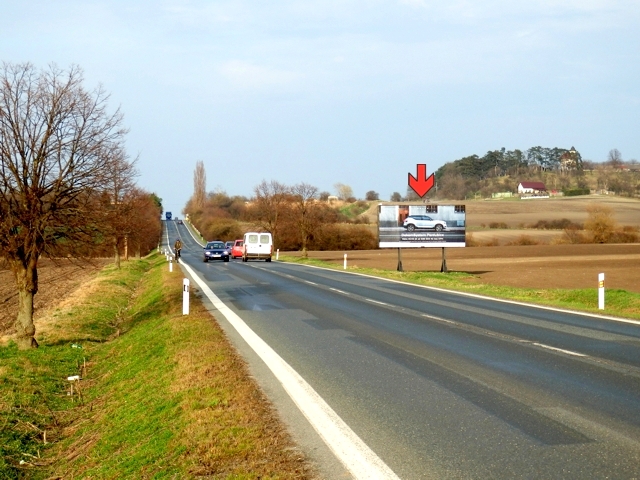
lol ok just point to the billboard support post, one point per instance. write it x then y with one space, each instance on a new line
400 260
443 268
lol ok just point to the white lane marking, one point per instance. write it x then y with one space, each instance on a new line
556 349
375 301
433 317
339 291
482 297
310 283
354 454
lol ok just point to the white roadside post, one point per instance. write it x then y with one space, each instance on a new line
345 262
171 264
277 253
185 296
601 291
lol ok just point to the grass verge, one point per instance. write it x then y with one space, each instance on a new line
619 303
162 395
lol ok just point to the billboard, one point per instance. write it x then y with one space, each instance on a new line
421 225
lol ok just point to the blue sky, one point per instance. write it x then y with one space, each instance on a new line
352 92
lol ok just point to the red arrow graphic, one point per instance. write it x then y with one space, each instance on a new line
421 184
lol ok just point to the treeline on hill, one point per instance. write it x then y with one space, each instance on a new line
559 169
295 215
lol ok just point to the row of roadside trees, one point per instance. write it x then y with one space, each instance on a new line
297 216
67 185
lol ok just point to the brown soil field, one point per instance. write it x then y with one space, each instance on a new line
518 213
547 265
57 280
530 266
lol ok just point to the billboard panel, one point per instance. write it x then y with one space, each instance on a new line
421 225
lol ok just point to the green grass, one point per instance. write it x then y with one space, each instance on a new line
162 395
352 210
619 303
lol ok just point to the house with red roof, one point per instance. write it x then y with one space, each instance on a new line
531 187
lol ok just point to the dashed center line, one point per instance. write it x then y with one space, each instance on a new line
556 349
375 301
339 291
439 319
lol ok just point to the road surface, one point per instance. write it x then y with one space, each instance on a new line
444 385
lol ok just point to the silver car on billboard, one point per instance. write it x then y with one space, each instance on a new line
424 222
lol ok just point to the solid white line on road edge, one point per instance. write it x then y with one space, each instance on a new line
556 349
354 454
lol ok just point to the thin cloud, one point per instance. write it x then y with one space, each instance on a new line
251 76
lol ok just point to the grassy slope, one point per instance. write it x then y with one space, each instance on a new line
162 395
620 303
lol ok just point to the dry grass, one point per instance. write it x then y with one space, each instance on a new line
524 240
232 427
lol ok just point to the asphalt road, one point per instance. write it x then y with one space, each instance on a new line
443 385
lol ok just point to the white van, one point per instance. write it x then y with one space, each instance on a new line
257 245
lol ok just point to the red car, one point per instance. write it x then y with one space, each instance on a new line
236 250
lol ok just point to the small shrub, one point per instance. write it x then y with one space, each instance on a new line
501 225
573 192
625 236
523 240
600 223
561 224
221 229
573 235
344 237
494 242
470 241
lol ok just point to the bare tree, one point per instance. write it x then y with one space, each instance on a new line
305 197
199 186
372 195
343 192
119 182
614 158
55 144
270 201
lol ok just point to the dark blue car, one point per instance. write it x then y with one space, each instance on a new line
216 251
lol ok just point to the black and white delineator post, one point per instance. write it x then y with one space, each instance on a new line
601 291
185 296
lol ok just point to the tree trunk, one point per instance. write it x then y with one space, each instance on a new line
26 274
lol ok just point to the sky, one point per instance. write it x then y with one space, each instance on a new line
356 92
